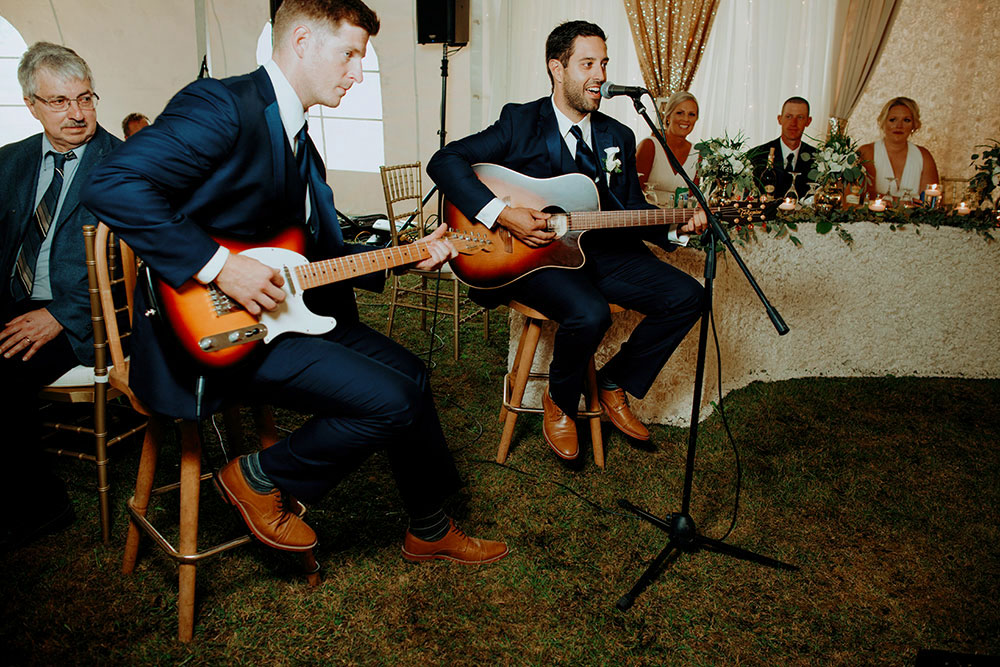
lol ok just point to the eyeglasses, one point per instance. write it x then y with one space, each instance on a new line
87 101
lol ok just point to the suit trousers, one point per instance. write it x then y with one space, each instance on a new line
365 392
627 274
29 472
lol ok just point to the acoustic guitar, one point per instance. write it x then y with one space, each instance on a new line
217 332
575 205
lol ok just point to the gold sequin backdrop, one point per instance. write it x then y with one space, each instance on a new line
670 37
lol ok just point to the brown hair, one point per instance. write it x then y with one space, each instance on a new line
333 12
560 42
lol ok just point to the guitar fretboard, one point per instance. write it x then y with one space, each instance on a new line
336 269
583 220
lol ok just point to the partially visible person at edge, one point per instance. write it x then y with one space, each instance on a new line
133 122
44 301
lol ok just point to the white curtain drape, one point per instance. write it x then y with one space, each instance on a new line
759 54
510 59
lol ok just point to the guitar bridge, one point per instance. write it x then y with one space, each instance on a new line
221 303
224 339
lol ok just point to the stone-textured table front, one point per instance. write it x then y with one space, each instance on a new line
896 302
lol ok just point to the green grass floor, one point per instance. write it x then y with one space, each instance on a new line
884 491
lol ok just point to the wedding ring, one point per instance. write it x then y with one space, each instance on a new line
27 340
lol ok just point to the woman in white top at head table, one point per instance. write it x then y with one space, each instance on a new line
657 178
895 165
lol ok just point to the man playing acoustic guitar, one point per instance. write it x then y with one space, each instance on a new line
233 158
557 135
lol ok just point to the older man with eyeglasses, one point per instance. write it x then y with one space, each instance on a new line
44 303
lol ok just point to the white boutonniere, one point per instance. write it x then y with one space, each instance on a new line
611 163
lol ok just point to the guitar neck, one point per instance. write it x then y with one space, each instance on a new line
336 269
584 220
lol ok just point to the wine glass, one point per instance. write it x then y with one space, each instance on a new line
792 194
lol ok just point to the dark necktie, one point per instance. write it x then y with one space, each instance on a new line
587 164
38 228
303 162
586 161
790 162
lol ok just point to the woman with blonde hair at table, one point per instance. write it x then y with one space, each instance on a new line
895 165
656 176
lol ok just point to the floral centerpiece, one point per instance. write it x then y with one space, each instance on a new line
836 161
985 184
724 163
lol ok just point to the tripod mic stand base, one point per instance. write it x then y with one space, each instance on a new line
684 537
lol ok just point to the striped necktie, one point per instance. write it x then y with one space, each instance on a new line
24 270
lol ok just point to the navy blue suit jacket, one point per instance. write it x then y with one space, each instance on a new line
526 139
20 164
216 161
758 157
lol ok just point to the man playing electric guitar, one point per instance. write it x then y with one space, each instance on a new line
561 134
233 158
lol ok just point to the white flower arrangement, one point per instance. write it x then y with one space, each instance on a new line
724 163
611 162
986 181
836 161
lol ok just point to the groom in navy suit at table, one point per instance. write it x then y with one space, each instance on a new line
565 133
791 154
234 158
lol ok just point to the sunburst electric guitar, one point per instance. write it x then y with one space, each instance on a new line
217 332
575 205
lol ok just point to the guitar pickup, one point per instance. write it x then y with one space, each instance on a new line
224 339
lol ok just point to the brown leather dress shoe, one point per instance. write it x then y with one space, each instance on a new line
616 406
270 516
456 546
559 430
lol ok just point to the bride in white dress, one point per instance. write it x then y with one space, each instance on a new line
657 177
895 165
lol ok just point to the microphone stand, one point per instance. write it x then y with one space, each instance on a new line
679 526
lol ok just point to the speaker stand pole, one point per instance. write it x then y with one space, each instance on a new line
442 133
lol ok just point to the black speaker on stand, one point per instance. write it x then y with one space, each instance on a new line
444 22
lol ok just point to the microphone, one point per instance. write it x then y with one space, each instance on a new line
609 90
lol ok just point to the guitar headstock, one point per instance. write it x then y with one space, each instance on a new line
467 242
744 212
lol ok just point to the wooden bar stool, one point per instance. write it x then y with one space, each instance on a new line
516 381
186 552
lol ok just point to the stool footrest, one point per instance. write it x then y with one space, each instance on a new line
521 409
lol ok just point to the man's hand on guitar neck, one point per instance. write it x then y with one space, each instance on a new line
441 250
527 225
251 283
696 224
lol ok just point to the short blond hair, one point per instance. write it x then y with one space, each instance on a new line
676 100
899 102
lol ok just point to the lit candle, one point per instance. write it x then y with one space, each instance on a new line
878 205
787 205
963 209
932 191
